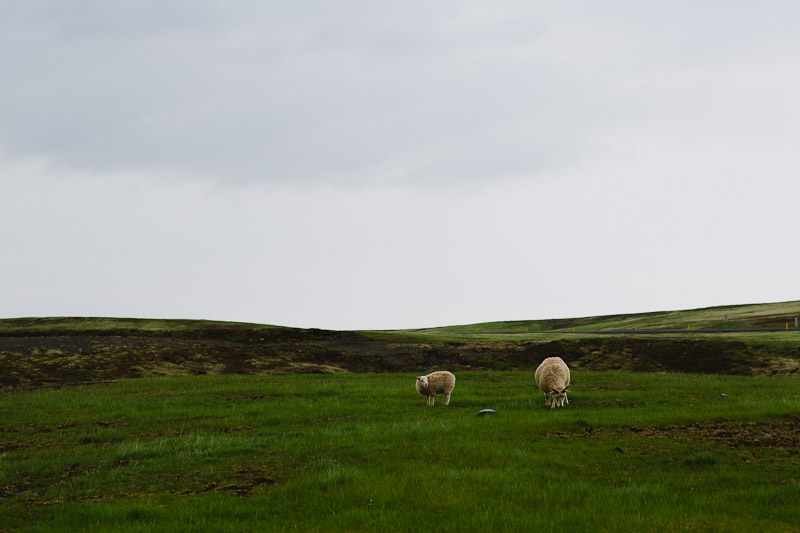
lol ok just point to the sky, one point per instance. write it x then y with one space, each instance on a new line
376 165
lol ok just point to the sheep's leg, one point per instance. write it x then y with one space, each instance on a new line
546 400
447 399
430 399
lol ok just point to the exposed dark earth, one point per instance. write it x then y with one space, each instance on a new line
53 357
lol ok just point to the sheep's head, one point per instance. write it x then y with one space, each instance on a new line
423 381
558 397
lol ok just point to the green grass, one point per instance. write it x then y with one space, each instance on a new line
748 316
771 341
631 452
770 315
87 325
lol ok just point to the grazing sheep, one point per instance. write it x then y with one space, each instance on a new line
441 382
552 377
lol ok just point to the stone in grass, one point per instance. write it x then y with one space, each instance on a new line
485 412
723 395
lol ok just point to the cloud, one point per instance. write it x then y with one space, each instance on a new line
356 165
132 245
307 94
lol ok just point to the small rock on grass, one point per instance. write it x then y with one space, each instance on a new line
485 412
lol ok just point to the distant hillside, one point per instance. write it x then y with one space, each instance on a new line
124 326
751 316
37 352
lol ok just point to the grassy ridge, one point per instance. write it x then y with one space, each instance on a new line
361 451
36 352
771 315
118 326
752 316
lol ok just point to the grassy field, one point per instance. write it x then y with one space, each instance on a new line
118 326
769 315
632 452
749 316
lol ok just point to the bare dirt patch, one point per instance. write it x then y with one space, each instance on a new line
782 436
243 482
63 357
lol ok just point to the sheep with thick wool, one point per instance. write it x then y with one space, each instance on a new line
552 377
440 382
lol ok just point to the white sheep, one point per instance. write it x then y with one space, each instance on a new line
441 382
552 377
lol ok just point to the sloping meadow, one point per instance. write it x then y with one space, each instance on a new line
656 452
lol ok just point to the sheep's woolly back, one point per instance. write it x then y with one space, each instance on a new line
552 377
552 374
441 382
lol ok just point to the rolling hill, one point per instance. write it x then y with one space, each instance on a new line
739 317
36 352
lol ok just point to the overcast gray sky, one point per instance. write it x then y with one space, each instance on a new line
358 165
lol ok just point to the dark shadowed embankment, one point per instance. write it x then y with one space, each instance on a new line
63 353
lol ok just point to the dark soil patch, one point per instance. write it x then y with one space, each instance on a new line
244 482
779 435
57 357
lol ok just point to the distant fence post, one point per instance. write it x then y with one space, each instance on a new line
795 322
726 320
